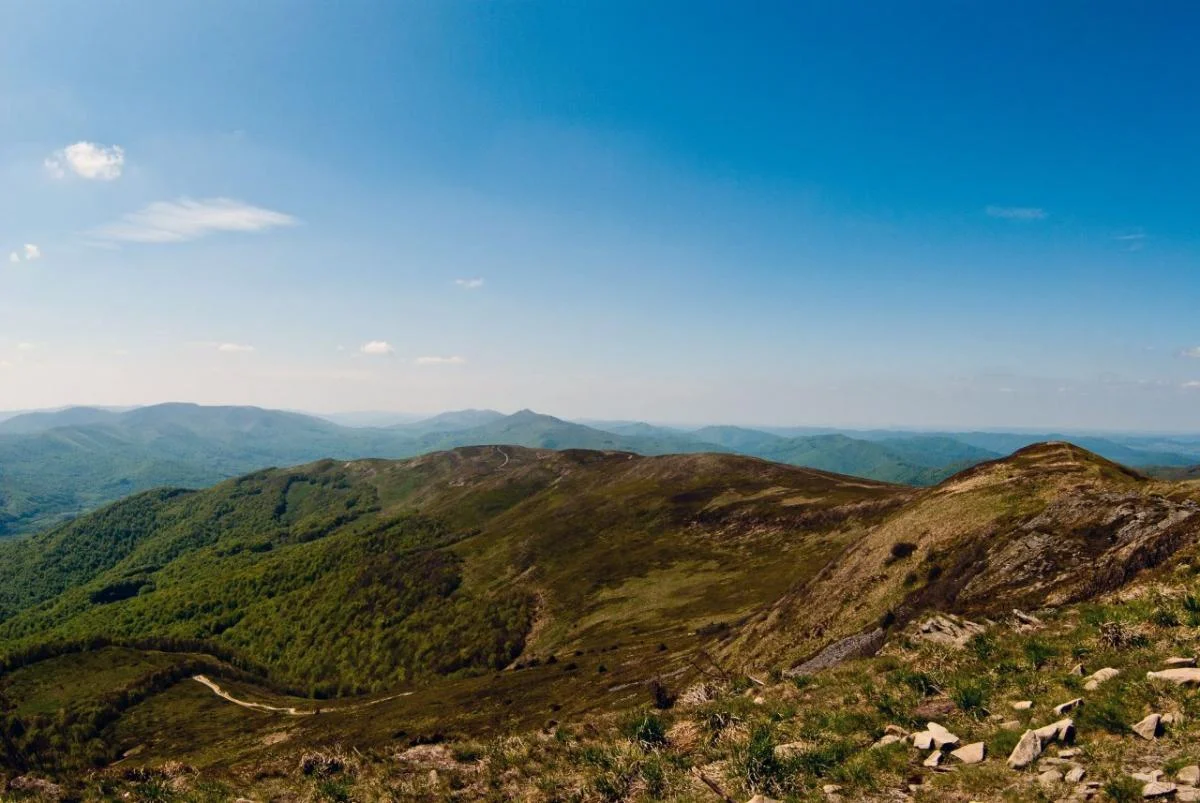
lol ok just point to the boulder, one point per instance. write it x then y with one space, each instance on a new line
1189 775
886 739
1077 670
1026 751
1061 731
942 738
1187 794
922 740
1146 776
1158 789
1094 680
1022 705
1148 727
1010 725
1069 705
1182 676
934 759
1070 753
1175 663
1075 775
971 754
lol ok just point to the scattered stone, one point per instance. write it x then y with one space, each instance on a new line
1061 731
1069 705
886 739
1183 676
759 700
1050 778
934 759
37 786
934 707
942 738
1148 728
831 789
1077 670
1158 789
1075 775
1071 753
1147 776
971 753
1179 662
1010 725
1099 676
1028 749
896 729
922 740
1171 718
762 799
1022 705
1189 775
1188 794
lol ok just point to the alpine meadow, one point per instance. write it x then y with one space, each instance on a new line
599 402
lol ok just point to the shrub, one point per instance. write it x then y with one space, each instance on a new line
1123 789
760 767
1164 617
970 696
982 645
1120 635
901 550
646 731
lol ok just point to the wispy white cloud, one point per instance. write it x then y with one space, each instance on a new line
1134 241
87 160
377 348
469 284
186 219
32 252
1192 351
234 348
14 257
25 347
455 360
1016 212
1195 383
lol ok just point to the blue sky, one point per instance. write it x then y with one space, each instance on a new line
926 214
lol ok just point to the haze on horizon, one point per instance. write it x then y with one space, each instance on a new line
974 217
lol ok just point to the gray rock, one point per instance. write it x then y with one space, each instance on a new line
1050 778
1022 705
971 754
1158 789
1061 731
1146 776
922 740
1028 749
1094 680
1183 676
1148 727
1010 725
1190 794
1075 775
942 738
1189 775
1077 670
1069 705
934 759
1175 663
886 739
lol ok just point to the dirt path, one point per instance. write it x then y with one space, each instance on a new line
501 451
292 712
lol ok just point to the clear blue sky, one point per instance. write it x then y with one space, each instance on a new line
931 214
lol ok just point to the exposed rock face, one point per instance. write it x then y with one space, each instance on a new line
1075 775
1189 775
1026 751
862 645
1183 676
1158 789
949 630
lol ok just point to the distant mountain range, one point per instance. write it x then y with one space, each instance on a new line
56 465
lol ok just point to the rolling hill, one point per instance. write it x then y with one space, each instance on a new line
478 591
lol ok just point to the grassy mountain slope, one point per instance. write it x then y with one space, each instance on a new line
365 575
1051 524
506 586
